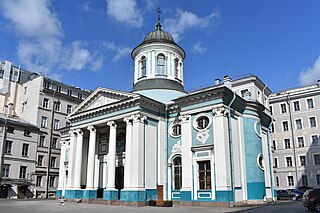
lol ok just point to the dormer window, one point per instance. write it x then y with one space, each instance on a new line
161 64
143 65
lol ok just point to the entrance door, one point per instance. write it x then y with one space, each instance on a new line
119 179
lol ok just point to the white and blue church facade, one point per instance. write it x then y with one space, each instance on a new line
211 145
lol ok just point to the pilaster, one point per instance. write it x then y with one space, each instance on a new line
78 158
128 165
112 156
71 162
62 171
91 155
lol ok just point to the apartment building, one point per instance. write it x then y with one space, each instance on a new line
295 135
32 98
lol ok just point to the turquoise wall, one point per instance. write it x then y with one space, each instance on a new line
253 147
195 142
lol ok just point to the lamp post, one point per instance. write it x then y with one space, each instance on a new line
4 139
50 144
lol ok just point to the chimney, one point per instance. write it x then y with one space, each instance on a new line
227 81
217 81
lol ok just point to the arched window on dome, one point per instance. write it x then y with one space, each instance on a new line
161 64
143 66
176 68
177 173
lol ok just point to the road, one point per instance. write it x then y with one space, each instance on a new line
52 206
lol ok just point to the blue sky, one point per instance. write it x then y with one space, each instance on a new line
87 43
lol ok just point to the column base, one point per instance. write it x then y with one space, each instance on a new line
59 193
89 194
110 194
185 195
133 196
152 194
73 193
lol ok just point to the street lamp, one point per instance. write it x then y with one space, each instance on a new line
50 143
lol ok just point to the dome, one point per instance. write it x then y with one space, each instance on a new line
158 36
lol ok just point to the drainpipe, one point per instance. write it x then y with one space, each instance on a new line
230 149
270 158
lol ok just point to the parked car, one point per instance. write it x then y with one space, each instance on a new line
311 199
286 194
298 193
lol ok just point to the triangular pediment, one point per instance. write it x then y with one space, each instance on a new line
101 97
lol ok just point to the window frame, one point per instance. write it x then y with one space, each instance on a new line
40 160
25 150
314 159
161 68
174 182
298 142
45 103
305 160
275 162
143 66
207 186
311 140
44 122
284 143
286 160
294 106
302 180
295 123
280 106
288 181
6 170
315 120
283 126
7 147
23 172
307 103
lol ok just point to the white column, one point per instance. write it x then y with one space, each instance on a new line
221 149
171 72
169 180
186 143
128 158
136 70
78 162
73 139
138 155
112 155
96 171
61 166
105 172
153 62
91 155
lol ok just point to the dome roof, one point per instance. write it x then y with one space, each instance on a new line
158 36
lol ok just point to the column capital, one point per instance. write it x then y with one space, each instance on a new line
139 118
63 142
112 124
185 118
79 132
91 129
128 119
220 111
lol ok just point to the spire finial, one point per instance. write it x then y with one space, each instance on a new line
158 13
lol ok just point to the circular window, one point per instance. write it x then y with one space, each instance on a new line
260 161
175 130
202 122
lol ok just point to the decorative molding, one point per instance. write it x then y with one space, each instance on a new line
101 100
112 124
79 132
220 111
184 118
128 119
139 118
91 129
203 136
176 147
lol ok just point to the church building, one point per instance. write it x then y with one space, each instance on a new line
210 146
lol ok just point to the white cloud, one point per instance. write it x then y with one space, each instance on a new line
198 48
310 75
185 20
40 46
125 11
119 51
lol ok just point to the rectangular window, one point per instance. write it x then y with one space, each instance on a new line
310 103
46 85
69 92
25 150
10 129
44 121
271 110
296 106
272 128
244 92
58 88
275 162
290 181
53 162
285 126
312 122
298 124
316 159
289 161
45 103
300 142
79 95
6 170
42 141
318 179
204 174
69 108
23 172
54 142
27 133
274 145
283 108
304 180
51 181
39 180
57 106
287 144
8 147
302 160
40 160
277 181
56 124
315 140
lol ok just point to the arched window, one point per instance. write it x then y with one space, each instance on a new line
161 64
177 173
176 68
143 65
